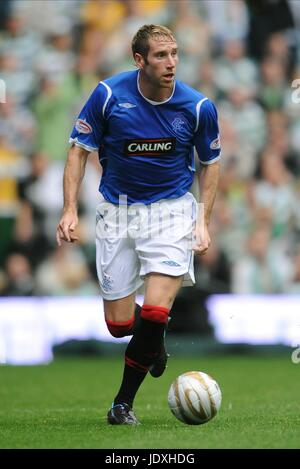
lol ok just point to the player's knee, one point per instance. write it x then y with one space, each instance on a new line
155 313
120 329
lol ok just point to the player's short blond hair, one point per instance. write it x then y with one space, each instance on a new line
140 41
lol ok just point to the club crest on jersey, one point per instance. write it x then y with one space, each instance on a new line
83 127
149 147
215 144
178 124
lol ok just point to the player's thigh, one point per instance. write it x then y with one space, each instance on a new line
165 249
117 262
120 310
161 290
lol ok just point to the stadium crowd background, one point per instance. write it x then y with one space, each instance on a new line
243 54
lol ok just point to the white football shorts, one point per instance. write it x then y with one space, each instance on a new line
134 240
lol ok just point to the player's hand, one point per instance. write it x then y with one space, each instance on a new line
65 228
202 239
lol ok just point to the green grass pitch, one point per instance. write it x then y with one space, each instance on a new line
64 405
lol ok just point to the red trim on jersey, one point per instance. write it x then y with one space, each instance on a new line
155 313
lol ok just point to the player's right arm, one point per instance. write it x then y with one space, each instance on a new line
85 138
73 175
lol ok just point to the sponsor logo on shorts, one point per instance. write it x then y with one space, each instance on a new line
107 282
171 263
83 127
149 147
215 144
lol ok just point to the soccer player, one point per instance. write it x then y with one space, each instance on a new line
145 125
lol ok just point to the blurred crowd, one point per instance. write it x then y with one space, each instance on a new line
243 54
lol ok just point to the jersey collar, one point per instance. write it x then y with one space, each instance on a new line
154 103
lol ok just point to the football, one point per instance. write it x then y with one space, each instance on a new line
194 397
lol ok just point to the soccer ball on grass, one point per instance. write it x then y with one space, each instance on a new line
194 397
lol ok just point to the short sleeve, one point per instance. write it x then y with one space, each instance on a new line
88 129
207 137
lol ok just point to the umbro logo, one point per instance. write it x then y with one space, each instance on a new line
171 263
127 105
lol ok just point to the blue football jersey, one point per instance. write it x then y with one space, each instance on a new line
146 148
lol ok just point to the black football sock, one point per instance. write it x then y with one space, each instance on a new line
132 380
137 318
140 354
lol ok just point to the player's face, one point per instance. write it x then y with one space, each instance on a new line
160 65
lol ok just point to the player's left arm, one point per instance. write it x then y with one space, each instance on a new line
207 143
208 179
